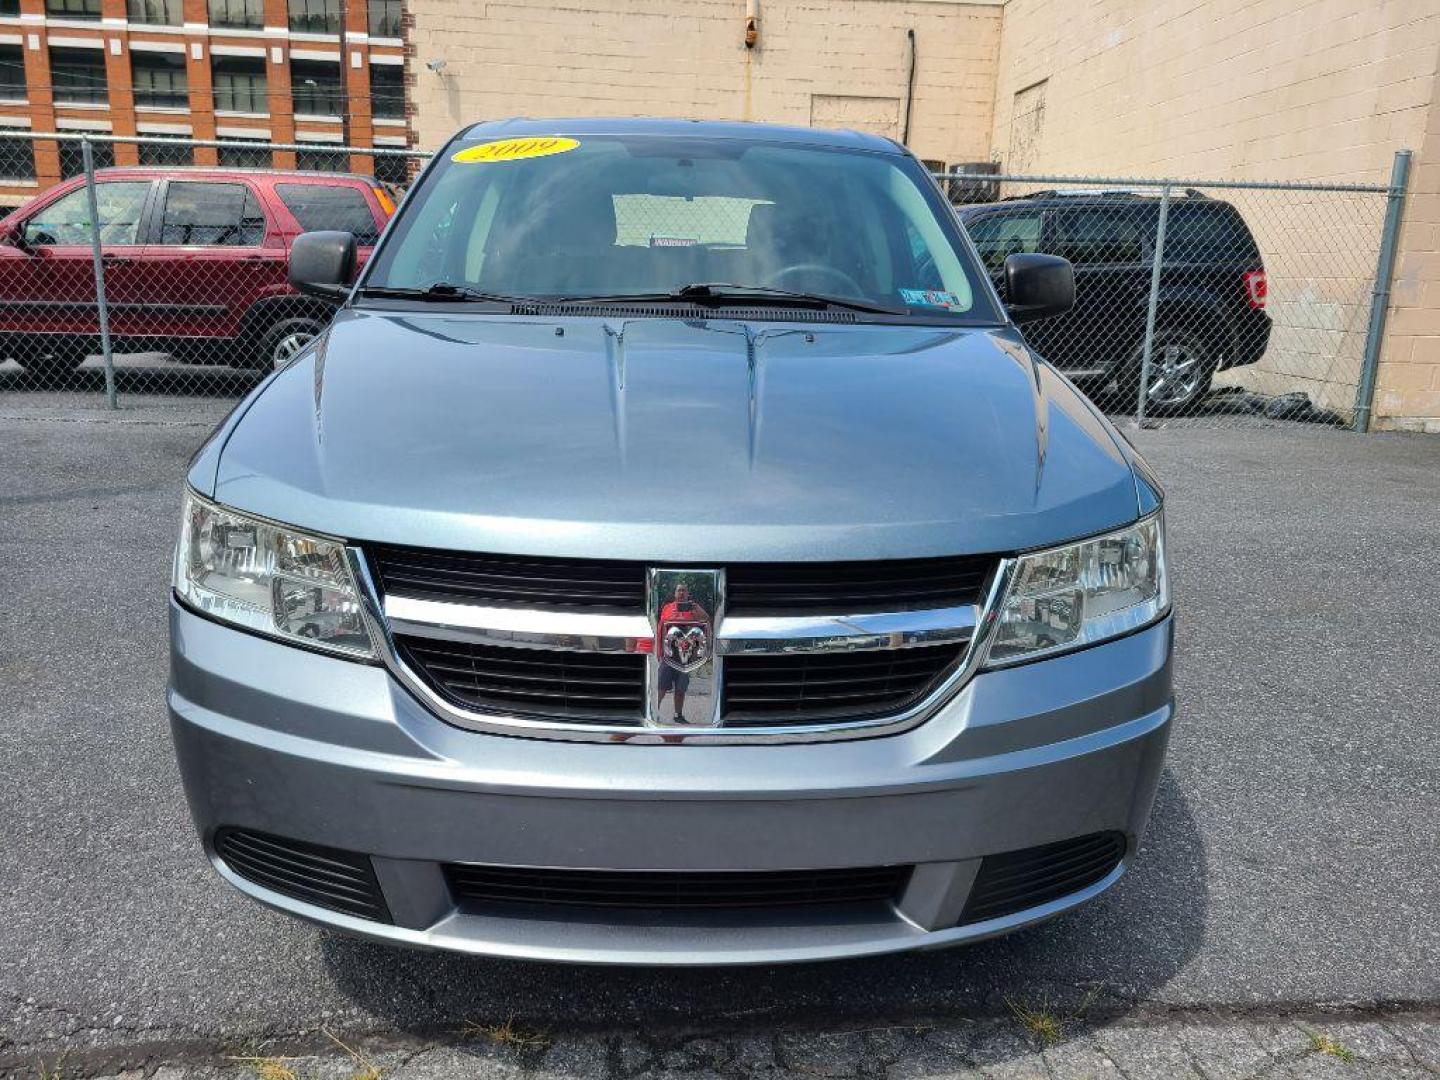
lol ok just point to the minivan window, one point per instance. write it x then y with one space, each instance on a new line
619 216
213 215
330 206
67 219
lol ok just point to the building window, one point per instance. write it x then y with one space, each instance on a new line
384 16
78 76
243 14
166 155
393 169
322 160
17 159
12 73
244 157
315 88
240 84
387 91
155 12
73 9
160 81
10 8
72 156
315 16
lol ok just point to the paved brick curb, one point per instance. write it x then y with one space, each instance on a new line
1189 1048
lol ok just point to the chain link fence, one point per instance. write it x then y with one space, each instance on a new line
1204 301
1227 301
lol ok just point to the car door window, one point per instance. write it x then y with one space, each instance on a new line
1000 235
212 215
66 221
1100 235
331 206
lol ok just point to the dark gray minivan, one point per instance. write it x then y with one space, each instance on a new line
671 553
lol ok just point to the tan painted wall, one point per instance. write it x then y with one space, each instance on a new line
1251 89
838 63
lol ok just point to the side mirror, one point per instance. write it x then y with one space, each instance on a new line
1038 286
12 234
323 264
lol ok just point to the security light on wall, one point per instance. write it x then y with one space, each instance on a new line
437 66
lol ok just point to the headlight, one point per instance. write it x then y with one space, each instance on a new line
1082 593
269 578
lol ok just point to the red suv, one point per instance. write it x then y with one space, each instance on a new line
196 263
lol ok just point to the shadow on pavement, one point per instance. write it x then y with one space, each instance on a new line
1105 958
158 377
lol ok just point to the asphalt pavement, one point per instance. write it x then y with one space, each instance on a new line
1293 861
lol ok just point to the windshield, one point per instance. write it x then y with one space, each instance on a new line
647 216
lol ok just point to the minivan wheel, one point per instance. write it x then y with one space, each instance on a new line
283 341
1181 367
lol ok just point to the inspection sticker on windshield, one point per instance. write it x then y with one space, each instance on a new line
929 298
514 149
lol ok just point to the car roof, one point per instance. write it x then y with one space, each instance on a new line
520 127
226 172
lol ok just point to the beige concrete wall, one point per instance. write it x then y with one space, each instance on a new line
1249 89
1408 394
823 62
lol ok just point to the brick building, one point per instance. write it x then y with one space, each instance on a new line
265 70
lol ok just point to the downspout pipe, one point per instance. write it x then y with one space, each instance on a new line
909 89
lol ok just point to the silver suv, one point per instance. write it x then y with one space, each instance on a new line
671 553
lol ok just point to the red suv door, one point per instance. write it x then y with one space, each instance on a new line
47 278
212 252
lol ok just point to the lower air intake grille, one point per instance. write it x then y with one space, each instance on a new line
801 688
579 686
1019 880
676 890
326 877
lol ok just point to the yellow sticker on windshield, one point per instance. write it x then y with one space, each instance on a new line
515 149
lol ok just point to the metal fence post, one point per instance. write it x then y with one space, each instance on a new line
1380 296
1147 349
88 154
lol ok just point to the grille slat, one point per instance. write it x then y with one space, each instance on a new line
855 588
575 686
616 587
685 890
766 690
1019 880
606 586
340 880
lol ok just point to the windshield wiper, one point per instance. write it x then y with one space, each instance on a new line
724 291
440 291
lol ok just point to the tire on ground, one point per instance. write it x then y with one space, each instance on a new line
1192 343
280 337
50 360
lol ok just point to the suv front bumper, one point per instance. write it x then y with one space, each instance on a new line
281 741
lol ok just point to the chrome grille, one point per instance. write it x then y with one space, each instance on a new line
547 682
764 690
855 588
570 648
509 580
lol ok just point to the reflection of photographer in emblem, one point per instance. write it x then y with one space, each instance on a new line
679 643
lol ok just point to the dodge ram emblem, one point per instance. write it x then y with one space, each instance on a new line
684 675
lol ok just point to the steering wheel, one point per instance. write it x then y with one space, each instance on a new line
848 286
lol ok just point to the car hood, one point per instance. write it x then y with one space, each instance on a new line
674 440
